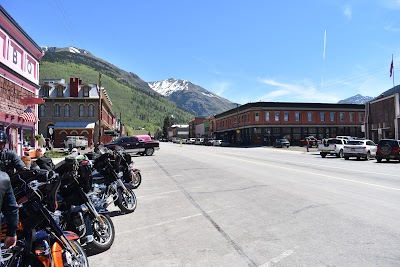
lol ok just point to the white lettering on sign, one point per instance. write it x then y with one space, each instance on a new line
3 45
16 58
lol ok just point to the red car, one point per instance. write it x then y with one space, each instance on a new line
312 141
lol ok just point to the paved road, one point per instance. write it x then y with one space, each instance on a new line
213 206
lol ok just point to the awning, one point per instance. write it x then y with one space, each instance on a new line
32 100
73 125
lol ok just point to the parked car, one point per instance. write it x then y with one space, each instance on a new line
388 149
209 142
144 137
281 142
191 140
74 141
360 149
347 137
199 141
332 146
134 145
217 142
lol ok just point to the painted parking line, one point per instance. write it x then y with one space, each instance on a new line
169 221
278 258
314 173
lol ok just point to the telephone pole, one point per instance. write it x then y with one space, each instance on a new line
100 111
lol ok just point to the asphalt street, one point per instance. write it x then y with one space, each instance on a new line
263 206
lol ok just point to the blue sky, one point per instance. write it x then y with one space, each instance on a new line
244 51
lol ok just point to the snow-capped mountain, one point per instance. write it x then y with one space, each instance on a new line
357 99
192 97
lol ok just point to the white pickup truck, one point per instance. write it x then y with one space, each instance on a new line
76 141
332 146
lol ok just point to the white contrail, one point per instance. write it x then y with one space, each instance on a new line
323 56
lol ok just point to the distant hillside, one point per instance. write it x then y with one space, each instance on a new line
357 99
192 97
138 104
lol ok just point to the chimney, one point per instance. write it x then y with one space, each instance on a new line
73 87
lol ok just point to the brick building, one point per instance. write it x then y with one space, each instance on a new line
19 82
74 109
260 123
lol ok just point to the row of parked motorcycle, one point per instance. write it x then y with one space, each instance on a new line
63 210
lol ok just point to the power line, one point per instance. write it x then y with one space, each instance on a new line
69 26
382 71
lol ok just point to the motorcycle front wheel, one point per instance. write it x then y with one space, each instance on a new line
126 201
136 180
80 260
103 235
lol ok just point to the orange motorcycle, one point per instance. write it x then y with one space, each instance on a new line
41 242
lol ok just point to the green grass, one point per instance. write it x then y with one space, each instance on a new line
55 154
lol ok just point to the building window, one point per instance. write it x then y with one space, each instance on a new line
248 118
322 116
332 116
67 110
81 111
309 116
267 116
41 111
351 116
286 116
297 116
341 116
60 91
56 110
44 92
276 116
256 117
360 117
86 92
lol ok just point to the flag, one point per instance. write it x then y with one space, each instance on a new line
391 68
28 115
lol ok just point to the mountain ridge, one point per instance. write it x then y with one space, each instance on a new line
356 99
132 98
192 97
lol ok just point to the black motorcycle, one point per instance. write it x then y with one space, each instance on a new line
41 241
77 212
108 180
131 174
